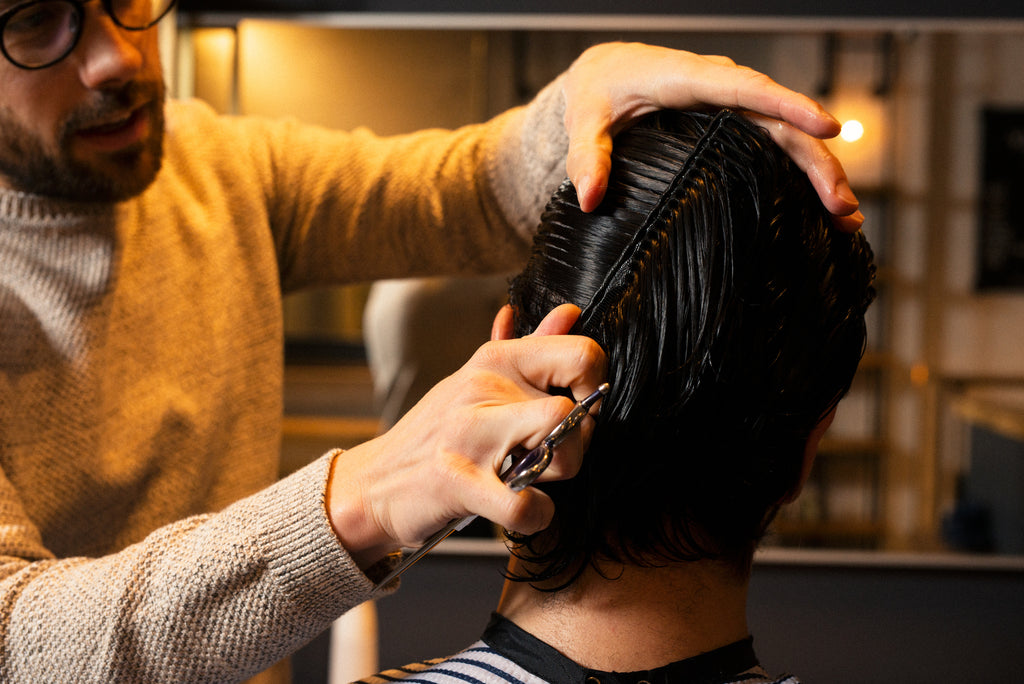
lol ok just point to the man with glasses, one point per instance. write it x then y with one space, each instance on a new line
40 34
144 249
108 146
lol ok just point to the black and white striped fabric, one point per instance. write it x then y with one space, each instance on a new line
508 655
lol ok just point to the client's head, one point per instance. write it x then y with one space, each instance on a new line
732 313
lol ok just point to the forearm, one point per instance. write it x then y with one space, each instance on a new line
429 203
209 599
527 163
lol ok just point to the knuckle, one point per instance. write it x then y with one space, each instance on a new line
455 470
520 515
758 78
602 49
589 353
564 466
487 387
483 376
556 408
722 60
490 355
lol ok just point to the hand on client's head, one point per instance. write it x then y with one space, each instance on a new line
440 461
611 85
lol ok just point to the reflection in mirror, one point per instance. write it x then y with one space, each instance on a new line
915 456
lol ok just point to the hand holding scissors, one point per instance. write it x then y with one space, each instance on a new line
521 471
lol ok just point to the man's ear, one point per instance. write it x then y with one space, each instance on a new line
810 451
502 327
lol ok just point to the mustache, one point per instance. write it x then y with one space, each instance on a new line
106 105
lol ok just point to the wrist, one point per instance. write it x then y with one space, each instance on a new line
351 519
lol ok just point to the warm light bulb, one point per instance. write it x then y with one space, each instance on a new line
852 131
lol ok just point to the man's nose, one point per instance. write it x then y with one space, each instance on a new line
109 55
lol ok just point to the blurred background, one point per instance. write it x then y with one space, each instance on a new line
923 470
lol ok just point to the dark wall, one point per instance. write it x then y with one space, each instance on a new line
789 8
825 624
880 625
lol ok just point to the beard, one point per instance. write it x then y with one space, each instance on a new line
27 165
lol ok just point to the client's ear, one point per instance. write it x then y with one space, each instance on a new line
502 327
810 451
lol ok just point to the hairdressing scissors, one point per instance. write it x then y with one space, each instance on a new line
519 471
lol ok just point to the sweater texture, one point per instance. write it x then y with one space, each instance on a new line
143 537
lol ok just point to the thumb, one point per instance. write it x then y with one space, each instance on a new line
559 321
588 164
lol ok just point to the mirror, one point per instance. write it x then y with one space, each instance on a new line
928 451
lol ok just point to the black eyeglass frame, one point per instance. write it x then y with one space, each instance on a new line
78 7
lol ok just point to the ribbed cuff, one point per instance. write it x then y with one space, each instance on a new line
527 162
314 570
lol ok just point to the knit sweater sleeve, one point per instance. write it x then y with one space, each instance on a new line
212 598
352 206
154 392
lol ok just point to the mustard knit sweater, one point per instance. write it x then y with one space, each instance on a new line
142 535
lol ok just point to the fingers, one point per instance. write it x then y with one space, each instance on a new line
822 168
521 424
503 326
540 363
546 358
544 361
441 460
526 511
569 455
529 510
559 321
589 163
849 224
611 85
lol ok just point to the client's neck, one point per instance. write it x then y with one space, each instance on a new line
642 619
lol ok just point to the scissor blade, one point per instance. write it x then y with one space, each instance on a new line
431 542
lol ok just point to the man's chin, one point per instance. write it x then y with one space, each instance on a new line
92 183
106 163
114 179
109 177
100 175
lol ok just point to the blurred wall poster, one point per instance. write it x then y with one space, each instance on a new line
1001 230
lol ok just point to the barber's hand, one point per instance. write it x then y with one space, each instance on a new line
610 85
441 460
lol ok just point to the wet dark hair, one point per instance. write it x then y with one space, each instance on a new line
732 313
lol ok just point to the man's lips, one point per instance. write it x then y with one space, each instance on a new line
117 133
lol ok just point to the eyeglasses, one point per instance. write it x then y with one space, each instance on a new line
40 33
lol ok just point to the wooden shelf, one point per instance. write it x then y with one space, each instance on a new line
852 446
830 530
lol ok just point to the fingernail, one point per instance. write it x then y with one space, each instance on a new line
845 193
583 186
849 224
